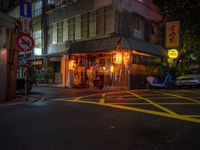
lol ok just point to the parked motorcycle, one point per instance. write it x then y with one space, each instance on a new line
154 82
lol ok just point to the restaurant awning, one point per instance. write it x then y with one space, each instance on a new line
97 45
110 44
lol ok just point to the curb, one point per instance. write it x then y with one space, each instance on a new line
19 101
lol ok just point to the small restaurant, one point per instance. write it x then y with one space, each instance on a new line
110 63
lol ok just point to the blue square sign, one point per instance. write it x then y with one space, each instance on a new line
25 8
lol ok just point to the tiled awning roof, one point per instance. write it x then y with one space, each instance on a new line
97 45
109 44
141 46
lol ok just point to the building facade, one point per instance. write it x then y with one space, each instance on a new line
97 43
107 43
8 58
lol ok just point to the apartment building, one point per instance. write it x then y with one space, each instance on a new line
104 43
107 42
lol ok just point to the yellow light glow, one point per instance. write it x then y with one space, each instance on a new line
112 68
118 58
104 68
172 53
71 64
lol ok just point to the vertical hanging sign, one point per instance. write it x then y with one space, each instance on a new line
25 24
172 34
25 13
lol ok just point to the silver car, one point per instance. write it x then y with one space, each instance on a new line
191 77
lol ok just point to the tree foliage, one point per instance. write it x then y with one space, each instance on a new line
187 12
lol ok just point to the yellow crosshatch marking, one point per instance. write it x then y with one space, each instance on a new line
178 96
153 103
103 97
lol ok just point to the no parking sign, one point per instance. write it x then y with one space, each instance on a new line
25 42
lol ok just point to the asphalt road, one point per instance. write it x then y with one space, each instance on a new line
80 119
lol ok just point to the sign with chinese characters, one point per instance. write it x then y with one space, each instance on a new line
172 34
37 62
172 53
25 24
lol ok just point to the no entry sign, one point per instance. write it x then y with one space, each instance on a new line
25 42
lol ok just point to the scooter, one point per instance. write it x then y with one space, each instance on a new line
154 82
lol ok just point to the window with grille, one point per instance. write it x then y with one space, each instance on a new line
60 32
84 25
92 23
136 22
71 29
38 42
38 8
50 34
109 20
100 19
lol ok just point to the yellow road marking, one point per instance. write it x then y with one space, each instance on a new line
102 100
193 116
85 96
178 96
169 115
151 102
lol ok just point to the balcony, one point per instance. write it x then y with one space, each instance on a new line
148 10
58 4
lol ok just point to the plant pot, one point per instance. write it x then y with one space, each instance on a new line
50 81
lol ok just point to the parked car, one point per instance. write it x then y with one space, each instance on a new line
190 78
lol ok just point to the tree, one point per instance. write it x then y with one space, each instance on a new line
187 12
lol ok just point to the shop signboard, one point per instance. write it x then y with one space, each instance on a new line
172 34
173 53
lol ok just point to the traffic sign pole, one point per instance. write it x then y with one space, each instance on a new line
26 43
25 76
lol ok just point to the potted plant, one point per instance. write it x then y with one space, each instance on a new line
48 74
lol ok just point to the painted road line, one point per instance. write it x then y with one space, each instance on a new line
162 114
178 96
192 116
124 103
85 96
153 103
102 100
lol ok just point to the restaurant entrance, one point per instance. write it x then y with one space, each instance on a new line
99 70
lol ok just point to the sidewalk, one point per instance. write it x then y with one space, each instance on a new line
20 99
50 85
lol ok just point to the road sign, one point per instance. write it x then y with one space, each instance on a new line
25 24
25 42
25 8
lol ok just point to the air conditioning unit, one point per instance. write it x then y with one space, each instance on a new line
68 43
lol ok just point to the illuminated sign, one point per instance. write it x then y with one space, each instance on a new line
172 34
172 53
37 62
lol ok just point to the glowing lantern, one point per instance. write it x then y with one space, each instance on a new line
173 53
112 68
118 58
71 64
